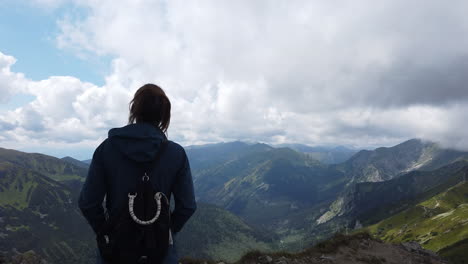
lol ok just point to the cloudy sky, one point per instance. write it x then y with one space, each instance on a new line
355 73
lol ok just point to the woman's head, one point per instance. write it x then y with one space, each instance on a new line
150 104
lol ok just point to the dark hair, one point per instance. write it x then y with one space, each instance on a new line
150 104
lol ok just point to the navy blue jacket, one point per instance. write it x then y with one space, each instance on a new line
117 164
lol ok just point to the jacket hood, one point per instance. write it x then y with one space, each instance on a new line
139 142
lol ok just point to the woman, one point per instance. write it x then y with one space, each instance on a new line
120 157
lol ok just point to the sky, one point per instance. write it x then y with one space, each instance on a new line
355 73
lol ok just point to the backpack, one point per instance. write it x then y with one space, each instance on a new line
140 233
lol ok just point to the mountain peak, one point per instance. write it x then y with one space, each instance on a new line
75 162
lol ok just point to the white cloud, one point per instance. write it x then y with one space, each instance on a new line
10 82
364 73
65 111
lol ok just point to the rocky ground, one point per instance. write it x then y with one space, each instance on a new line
354 249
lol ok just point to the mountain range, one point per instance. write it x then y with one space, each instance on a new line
256 196
303 200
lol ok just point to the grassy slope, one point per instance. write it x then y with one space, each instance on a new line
49 166
17 186
264 186
40 214
215 233
436 223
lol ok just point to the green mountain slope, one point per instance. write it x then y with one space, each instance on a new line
20 187
51 167
439 223
410 158
265 187
214 233
40 214
370 202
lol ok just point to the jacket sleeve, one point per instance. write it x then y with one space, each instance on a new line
184 197
93 192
